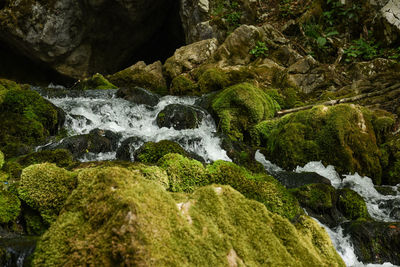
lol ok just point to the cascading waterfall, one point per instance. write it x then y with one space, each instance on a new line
379 206
100 109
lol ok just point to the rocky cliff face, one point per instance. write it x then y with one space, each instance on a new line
79 38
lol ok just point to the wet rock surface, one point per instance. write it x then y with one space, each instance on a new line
138 95
180 117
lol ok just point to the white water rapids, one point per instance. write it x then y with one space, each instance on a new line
377 204
100 109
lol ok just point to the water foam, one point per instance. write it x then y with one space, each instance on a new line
100 109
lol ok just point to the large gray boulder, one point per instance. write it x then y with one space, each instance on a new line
79 38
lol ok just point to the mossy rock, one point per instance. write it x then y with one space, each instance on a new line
213 80
10 207
1 159
27 119
184 174
61 157
6 85
352 205
149 226
240 107
391 160
151 152
318 197
45 187
341 135
260 187
96 82
182 85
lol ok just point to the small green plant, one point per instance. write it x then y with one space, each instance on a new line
260 50
285 8
362 49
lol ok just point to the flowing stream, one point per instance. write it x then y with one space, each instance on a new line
380 207
100 109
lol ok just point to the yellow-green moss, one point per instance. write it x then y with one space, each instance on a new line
181 85
1 159
260 187
9 207
128 220
240 107
212 80
341 135
184 174
96 82
318 197
352 205
151 152
45 187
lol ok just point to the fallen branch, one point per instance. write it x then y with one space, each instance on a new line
340 101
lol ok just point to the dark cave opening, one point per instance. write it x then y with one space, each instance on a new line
164 42
17 67
169 36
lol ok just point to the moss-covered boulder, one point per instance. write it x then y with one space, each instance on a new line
212 79
10 207
182 85
151 152
330 206
61 157
45 187
184 174
341 135
96 82
27 119
128 220
352 205
391 160
141 75
240 107
260 187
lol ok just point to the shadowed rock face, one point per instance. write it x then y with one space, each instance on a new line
78 38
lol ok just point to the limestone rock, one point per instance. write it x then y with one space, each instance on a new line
188 57
142 75
79 38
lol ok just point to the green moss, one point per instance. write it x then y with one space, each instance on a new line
154 173
318 197
9 207
341 135
352 205
260 187
6 85
184 174
32 106
96 82
45 187
128 220
151 152
212 80
240 107
61 157
181 85
1 159
34 223
138 77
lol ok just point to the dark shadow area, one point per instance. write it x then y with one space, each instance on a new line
164 42
19 68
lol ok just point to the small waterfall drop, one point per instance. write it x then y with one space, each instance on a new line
100 109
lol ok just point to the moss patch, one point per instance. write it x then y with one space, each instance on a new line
96 82
9 207
45 187
260 187
128 220
240 107
1 159
182 85
212 80
184 174
151 152
341 135
352 205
